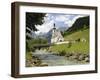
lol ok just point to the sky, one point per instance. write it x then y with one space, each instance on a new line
60 20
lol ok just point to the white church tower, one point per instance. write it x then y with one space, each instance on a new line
56 35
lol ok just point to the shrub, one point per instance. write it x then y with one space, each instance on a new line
30 43
62 53
69 44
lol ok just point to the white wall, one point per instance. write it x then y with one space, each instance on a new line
5 40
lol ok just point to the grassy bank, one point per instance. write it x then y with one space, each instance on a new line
79 34
28 55
78 46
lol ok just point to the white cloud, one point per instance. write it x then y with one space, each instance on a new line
61 18
45 27
50 19
70 22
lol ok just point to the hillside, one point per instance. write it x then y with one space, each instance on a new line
78 34
82 47
80 23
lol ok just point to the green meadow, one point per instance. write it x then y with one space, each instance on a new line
77 47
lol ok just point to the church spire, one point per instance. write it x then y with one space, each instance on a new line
54 26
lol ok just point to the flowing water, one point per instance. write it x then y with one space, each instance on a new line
51 59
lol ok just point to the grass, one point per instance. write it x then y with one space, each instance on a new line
28 55
78 34
77 47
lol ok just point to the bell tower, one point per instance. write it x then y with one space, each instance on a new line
54 27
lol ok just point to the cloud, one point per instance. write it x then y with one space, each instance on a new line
65 20
71 21
61 18
45 27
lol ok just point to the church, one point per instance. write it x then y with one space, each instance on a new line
56 35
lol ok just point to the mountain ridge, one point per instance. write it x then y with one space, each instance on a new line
79 24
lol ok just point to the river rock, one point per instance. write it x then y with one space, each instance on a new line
37 62
75 56
87 59
86 55
44 64
67 55
28 63
81 57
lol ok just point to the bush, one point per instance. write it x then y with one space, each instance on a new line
77 40
69 44
62 53
30 43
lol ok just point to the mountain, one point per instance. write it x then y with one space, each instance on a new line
79 24
62 29
42 35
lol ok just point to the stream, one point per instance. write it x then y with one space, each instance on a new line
51 59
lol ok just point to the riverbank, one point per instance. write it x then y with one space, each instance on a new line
43 58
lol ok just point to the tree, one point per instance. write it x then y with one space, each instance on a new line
33 19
